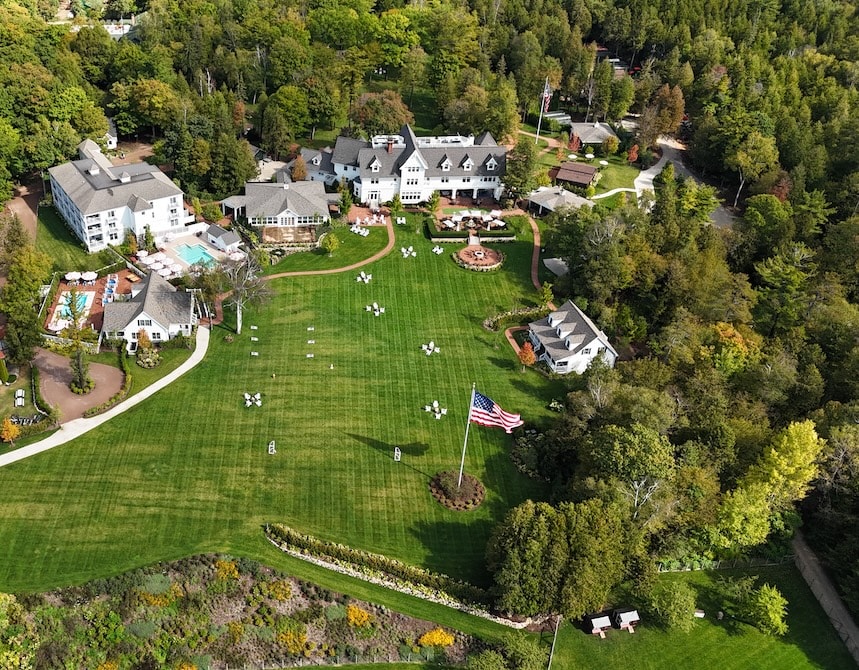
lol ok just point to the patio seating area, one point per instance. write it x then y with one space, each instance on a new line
473 220
98 292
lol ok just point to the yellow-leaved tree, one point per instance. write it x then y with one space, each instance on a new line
9 432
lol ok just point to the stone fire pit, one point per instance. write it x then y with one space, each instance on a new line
478 258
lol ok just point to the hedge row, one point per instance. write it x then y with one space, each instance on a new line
123 392
40 403
364 561
515 316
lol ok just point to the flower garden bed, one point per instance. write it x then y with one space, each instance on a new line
445 490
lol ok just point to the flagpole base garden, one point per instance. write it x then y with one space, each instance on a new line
457 498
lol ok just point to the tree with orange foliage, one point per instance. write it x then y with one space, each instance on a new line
527 357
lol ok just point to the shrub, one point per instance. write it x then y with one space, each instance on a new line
226 570
357 617
148 358
142 629
292 636
279 590
335 613
376 563
437 637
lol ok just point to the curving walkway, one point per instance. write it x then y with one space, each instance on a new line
621 189
392 238
73 429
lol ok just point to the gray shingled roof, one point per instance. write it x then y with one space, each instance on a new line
159 299
305 198
575 327
592 133
228 237
556 197
346 150
92 193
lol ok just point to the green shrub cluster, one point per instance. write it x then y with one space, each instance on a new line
41 405
515 316
389 567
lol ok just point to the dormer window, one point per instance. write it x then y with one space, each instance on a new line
375 165
316 161
446 165
467 164
491 164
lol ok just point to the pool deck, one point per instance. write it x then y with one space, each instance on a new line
171 248
95 318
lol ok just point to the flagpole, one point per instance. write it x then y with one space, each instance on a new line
542 107
465 443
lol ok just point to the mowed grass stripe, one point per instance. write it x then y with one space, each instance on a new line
187 470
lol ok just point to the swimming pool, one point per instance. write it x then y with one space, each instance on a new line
65 302
193 255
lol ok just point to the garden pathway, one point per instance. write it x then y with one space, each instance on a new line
73 429
55 375
219 307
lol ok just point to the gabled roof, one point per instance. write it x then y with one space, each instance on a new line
576 328
266 199
346 150
555 197
93 186
157 298
573 173
592 133
228 237
485 139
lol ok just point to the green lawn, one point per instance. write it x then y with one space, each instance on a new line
66 251
353 248
618 174
811 641
187 470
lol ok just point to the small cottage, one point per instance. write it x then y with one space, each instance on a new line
567 340
155 306
223 239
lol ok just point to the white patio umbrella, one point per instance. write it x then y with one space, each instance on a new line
157 266
165 272
589 156
237 255
148 260
160 256
603 163
142 253
89 276
73 276
175 267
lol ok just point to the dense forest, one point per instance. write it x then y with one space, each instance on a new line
741 393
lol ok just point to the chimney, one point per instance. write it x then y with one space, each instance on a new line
390 145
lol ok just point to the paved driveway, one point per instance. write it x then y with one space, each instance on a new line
54 378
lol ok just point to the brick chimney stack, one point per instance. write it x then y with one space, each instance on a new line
390 145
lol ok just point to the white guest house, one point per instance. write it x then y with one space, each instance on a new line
155 306
567 340
283 212
101 202
413 167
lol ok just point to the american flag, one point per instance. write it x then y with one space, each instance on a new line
547 95
487 412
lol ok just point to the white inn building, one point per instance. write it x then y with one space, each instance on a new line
101 202
413 167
